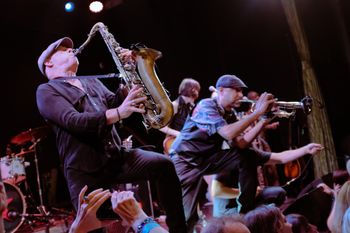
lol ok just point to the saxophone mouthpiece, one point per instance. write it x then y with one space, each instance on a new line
76 52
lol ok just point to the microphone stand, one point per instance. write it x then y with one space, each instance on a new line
43 213
41 208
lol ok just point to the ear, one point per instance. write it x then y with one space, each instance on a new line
220 89
48 64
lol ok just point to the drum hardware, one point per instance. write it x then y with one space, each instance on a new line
12 169
23 153
43 214
41 208
30 135
13 172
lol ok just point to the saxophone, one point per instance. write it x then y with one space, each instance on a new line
159 109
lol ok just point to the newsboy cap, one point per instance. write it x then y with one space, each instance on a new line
230 81
65 41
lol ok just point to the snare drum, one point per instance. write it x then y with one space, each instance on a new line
12 169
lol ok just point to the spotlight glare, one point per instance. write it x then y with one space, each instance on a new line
69 6
96 6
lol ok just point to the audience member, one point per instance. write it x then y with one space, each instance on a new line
86 219
346 221
229 224
126 206
340 205
123 203
267 219
300 224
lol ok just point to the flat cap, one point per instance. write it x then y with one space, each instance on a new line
65 41
230 81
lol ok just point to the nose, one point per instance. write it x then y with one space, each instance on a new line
70 50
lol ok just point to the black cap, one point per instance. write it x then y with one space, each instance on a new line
230 81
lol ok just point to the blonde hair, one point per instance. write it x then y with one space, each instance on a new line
342 203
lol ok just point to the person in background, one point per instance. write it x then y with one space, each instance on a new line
83 114
340 205
300 224
126 206
188 94
346 221
231 224
86 219
268 173
267 219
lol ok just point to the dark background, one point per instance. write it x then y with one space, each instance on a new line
199 38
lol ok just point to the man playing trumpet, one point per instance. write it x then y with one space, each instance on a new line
197 151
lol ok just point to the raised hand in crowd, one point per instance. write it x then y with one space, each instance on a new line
86 219
126 206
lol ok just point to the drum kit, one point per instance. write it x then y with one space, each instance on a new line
13 173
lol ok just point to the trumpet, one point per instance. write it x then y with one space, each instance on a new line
305 104
282 104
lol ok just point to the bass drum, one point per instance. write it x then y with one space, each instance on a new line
16 208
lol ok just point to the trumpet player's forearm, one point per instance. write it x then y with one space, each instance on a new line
233 130
247 139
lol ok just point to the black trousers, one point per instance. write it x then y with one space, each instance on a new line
225 160
137 165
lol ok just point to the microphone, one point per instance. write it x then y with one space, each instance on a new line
212 89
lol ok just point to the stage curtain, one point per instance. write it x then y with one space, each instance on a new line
318 122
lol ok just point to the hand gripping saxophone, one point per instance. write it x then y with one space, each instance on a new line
159 109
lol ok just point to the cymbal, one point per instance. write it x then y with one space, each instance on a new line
30 135
22 153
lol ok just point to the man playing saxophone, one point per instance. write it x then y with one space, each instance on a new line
82 114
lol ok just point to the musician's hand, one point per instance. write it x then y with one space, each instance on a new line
126 56
313 148
122 92
132 103
273 125
264 103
